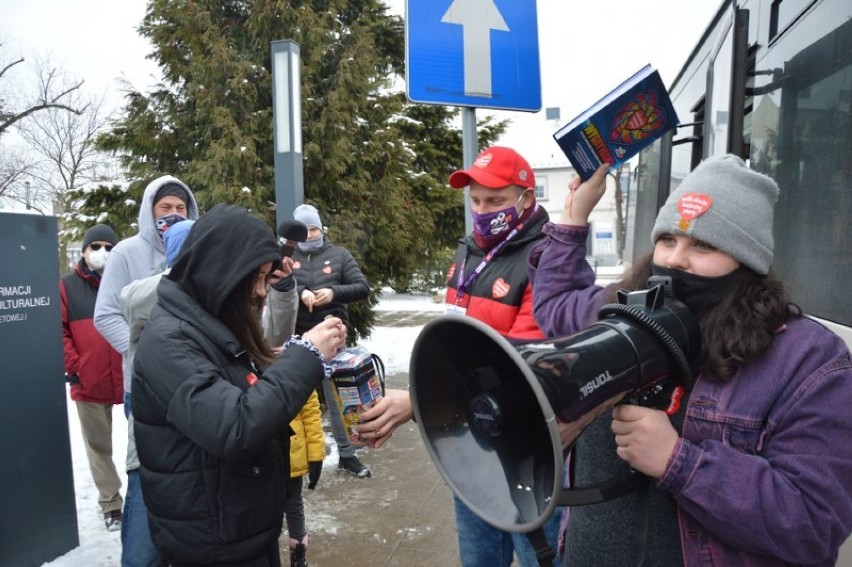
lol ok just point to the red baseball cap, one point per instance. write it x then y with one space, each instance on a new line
495 168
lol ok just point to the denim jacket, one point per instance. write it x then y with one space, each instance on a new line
762 474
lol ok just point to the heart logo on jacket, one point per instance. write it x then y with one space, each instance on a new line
500 289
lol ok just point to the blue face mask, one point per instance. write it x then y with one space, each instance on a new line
163 223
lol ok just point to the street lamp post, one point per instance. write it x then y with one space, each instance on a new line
27 197
287 128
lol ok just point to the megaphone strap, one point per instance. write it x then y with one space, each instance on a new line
658 331
643 497
608 490
544 553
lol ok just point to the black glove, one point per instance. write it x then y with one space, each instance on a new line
72 379
314 472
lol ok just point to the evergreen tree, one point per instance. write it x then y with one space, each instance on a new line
374 165
90 206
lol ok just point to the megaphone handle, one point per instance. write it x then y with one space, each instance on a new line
544 553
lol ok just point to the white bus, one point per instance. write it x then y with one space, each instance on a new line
771 81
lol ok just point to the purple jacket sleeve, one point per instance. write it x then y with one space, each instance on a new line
771 448
565 297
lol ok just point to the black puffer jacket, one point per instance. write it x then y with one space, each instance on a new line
213 441
330 267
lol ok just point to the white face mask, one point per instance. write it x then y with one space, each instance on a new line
97 259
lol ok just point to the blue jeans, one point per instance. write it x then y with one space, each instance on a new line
483 545
137 548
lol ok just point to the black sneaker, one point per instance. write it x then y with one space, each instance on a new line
112 520
354 466
297 556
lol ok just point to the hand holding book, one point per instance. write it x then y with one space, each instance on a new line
625 121
582 197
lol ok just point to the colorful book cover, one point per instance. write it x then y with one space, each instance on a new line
618 126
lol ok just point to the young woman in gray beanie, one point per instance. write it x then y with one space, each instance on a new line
755 467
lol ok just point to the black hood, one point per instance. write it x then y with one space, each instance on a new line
223 247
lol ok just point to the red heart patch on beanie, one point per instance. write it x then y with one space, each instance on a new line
691 206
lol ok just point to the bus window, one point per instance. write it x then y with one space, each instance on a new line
801 132
719 85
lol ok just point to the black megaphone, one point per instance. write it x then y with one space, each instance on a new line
486 408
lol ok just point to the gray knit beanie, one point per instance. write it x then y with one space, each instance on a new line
308 215
727 205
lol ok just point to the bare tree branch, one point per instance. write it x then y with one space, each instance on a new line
53 94
33 110
57 124
10 65
65 142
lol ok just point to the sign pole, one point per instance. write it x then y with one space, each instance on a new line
470 149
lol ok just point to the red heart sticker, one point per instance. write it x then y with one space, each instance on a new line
500 288
691 206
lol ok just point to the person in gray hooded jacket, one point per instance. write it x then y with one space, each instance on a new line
166 201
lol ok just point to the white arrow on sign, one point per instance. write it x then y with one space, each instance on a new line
477 18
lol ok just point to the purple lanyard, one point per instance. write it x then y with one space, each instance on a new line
462 284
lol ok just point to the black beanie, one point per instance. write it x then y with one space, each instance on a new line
99 233
172 188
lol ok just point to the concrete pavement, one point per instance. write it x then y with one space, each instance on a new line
401 517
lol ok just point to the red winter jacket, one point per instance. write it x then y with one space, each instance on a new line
87 354
501 297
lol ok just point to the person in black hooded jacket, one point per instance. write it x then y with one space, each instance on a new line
328 279
211 403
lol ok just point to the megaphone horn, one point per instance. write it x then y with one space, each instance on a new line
487 409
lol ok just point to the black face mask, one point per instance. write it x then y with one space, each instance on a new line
699 293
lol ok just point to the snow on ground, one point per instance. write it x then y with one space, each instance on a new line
390 301
100 548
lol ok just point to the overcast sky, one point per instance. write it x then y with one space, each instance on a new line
586 48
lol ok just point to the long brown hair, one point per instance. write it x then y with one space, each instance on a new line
738 328
241 314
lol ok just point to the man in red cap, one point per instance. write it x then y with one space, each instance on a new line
488 281
488 277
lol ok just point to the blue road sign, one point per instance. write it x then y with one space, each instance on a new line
480 53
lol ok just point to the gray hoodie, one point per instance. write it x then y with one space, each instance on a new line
133 258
